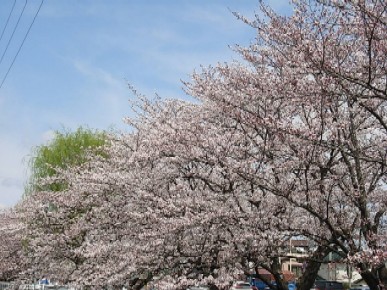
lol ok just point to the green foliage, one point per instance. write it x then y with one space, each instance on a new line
65 150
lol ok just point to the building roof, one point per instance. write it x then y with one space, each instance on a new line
287 275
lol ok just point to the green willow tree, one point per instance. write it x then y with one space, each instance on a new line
66 149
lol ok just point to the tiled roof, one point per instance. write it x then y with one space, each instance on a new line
288 275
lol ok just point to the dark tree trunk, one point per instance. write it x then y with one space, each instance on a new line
309 275
275 270
278 276
369 277
307 279
213 287
383 276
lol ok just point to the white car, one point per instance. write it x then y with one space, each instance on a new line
241 285
201 287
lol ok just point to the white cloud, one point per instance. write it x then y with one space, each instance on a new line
96 74
107 95
47 136
12 171
10 182
14 155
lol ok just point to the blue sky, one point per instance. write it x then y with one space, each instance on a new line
75 64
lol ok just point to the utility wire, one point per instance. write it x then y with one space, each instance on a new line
13 32
6 24
21 45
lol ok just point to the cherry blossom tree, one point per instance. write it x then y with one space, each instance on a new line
12 245
289 143
185 213
187 186
149 208
316 83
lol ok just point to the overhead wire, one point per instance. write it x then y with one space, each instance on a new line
13 32
21 45
6 24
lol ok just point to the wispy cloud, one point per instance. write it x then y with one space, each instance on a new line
108 93
12 171
79 55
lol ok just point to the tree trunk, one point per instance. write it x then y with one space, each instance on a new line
307 279
383 276
369 277
278 276
275 269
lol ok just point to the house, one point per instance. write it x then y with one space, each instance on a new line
333 269
294 261
336 270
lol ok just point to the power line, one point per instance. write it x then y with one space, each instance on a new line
6 24
21 45
13 32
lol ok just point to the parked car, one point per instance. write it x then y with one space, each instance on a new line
360 287
202 287
241 285
327 285
258 284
